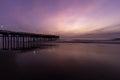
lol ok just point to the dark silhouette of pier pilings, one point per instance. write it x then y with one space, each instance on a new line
21 40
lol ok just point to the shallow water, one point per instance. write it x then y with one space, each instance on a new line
64 61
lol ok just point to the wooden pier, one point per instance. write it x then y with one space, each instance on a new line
21 40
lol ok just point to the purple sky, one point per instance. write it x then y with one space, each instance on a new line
63 17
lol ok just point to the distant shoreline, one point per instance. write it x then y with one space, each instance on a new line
92 41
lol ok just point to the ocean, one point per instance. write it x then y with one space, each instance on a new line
62 61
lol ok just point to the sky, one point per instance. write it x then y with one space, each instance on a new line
61 17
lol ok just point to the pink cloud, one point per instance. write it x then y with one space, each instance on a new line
45 15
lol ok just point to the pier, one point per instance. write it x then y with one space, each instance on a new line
20 40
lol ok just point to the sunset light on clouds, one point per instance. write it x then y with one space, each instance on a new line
63 17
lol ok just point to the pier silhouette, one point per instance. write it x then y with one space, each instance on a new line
22 40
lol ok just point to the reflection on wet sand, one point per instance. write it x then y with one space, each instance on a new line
63 62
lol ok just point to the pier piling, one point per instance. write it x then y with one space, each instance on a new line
21 40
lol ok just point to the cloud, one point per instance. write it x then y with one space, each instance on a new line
108 32
69 19
58 16
108 29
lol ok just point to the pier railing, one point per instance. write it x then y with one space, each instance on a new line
21 40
